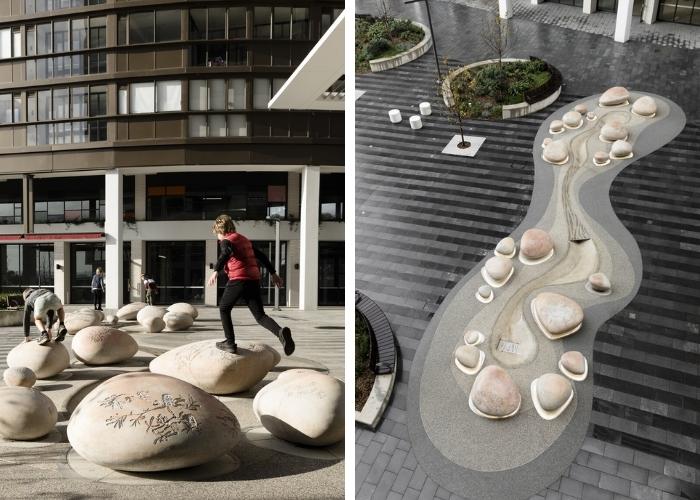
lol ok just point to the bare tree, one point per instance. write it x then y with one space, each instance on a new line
447 91
384 10
498 35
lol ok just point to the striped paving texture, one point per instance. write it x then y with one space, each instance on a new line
424 219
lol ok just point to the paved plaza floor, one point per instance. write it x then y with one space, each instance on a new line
259 467
425 219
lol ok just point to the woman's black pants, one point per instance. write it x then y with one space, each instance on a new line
249 291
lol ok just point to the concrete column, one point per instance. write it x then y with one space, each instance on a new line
140 197
308 238
28 203
210 253
590 6
650 11
138 255
623 23
114 252
505 9
293 201
292 278
61 272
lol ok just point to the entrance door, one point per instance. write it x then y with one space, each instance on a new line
611 6
178 269
85 258
680 11
331 273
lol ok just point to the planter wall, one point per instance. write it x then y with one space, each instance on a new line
11 317
509 110
413 53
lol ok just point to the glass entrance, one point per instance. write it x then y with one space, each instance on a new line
575 3
611 6
23 266
680 11
178 269
331 273
85 258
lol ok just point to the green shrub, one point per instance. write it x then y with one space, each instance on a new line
362 345
376 48
491 81
378 31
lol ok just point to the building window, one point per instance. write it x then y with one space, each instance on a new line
10 202
149 97
196 197
218 126
167 25
264 89
178 268
332 197
62 199
262 20
237 22
679 11
24 266
98 32
85 258
141 27
300 24
328 17
39 6
217 94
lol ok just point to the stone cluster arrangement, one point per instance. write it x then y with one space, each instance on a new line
155 319
304 407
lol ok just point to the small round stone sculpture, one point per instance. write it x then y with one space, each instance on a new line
556 127
621 150
506 248
591 116
484 294
581 109
184 307
574 365
572 119
599 283
615 96
19 376
469 359
78 320
129 311
645 106
497 271
26 413
601 158
547 140
536 246
557 315
556 153
613 131
494 394
551 394
473 337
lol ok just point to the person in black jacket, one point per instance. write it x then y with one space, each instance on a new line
98 288
46 307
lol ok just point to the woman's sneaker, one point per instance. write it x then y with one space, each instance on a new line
44 339
285 336
227 346
61 335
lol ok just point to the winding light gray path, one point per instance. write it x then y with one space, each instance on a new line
518 457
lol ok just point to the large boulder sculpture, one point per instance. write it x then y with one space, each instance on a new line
151 422
44 360
129 311
184 307
216 371
102 345
557 315
26 413
78 320
151 318
494 394
304 407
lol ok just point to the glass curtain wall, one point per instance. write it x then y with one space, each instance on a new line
28 265
178 269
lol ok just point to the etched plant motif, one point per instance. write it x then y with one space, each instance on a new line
166 417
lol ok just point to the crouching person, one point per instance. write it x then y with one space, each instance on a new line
46 308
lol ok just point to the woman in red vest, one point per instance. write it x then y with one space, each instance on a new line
239 259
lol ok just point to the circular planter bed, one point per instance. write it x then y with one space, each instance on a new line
386 43
364 376
483 90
